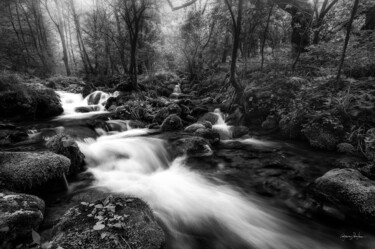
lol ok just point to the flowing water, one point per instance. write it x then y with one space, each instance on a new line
196 211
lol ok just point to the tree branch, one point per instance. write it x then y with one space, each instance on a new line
181 6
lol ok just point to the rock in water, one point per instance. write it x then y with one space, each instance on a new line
171 123
239 131
349 191
65 145
24 170
193 127
210 117
97 97
19 214
112 223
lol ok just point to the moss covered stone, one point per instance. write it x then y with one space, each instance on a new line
19 214
349 191
125 222
65 145
24 170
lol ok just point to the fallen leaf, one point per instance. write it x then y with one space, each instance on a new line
84 203
98 227
98 206
36 237
117 225
103 235
4 229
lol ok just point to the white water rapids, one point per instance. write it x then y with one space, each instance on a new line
184 199
191 207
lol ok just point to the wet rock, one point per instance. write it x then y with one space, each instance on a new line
239 131
212 136
193 127
349 191
190 119
65 145
190 146
349 162
97 97
110 101
171 123
210 117
185 111
24 170
206 124
270 123
161 115
85 109
321 138
345 148
174 109
136 124
368 171
110 223
198 111
13 135
19 215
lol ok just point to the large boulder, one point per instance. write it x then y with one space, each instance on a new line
239 131
349 191
125 222
19 215
171 123
22 102
25 170
321 138
65 145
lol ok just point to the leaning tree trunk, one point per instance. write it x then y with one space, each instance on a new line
349 27
302 15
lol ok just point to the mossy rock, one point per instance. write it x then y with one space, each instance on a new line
65 145
349 191
125 222
210 117
19 214
194 145
25 170
171 123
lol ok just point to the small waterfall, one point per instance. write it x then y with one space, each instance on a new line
70 101
76 107
177 89
187 202
221 127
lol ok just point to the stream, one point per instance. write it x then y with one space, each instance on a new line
236 196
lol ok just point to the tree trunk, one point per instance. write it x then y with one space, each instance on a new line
370 19
349 27
236 43
302 15
265 36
